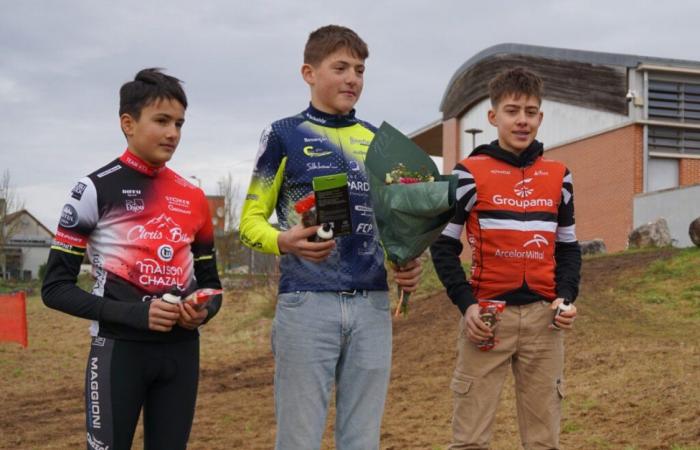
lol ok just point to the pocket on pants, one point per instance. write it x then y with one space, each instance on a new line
461 384
292 299
379 300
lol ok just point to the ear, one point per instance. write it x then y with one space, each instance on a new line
492 117
308 74
127 124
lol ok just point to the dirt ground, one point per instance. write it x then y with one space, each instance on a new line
632 376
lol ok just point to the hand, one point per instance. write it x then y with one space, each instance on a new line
295 241
565 320
190 317
162 315
477 330
408 277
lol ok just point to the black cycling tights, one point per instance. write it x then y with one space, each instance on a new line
123 376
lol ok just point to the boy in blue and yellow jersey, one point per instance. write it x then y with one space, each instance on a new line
332 322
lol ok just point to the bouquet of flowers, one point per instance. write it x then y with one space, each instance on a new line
412 202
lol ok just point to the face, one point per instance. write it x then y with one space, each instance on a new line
336 82
517 120
155 135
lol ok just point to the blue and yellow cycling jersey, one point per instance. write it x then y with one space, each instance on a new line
292 152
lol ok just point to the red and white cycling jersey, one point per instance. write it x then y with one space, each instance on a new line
144 231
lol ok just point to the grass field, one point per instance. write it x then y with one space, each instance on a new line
632 368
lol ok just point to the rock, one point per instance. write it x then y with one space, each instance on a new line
653 234
593 247
694 231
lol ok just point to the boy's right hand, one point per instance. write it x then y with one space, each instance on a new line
477 330
162 315
295 241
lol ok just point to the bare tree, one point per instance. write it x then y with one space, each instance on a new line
226 244
9 203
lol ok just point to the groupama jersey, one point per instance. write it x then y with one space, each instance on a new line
147 231
292 152
519 218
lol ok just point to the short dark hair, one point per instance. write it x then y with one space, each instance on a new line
516 81
331 38
149 85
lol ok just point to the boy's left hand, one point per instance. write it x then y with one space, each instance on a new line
408 277
565 320
191 318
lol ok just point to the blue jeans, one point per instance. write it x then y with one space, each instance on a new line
321 338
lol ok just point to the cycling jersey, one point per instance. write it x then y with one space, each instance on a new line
147 232
292 152
519 217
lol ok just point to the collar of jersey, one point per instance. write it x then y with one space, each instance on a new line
139 164
329 120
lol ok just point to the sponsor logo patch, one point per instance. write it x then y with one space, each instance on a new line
69 216
94 408
155 274
320 166
522 189
320 139
96 444
77 191
356 141
364 228
538 240
520 254
108 171
160 228
362 186
312 152
526 203
179 205
131 192
166 252
135 205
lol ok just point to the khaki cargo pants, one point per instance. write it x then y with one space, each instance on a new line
536 355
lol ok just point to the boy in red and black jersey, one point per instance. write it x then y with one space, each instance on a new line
518 210
147 232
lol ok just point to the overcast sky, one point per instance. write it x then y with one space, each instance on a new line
62 62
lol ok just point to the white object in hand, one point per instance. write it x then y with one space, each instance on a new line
325 232
172 299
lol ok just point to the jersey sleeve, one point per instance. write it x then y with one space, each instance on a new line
447 247
261 198
567 251
79 217
205 259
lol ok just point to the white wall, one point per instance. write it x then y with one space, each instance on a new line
678 206
562 122
33 258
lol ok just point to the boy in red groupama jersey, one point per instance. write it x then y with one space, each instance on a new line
518 210
147 232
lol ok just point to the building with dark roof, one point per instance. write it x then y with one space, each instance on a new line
627 126
26 245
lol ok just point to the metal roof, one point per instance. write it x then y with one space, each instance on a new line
565 54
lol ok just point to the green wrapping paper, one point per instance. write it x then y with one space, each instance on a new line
409 217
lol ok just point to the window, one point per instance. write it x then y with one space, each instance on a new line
675 101
674 140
